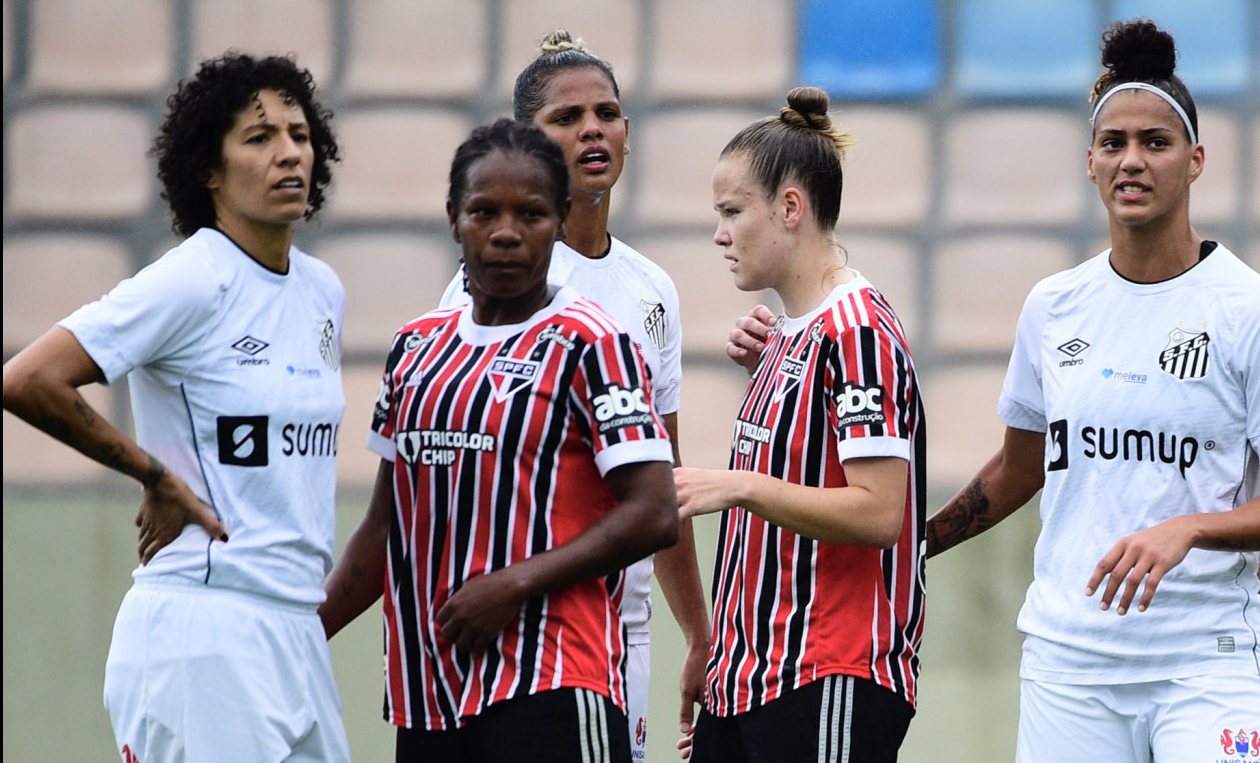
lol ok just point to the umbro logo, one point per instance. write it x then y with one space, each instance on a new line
249 345
1072 348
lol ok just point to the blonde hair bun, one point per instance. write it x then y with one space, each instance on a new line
559 41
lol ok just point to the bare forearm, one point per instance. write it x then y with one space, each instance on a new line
356 582
967 515
358 579
678 572
1237 530
41 388
644 521
1008 481
869 511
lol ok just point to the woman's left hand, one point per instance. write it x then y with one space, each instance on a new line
479 611
702 491
1148 554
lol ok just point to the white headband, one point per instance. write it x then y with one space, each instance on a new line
1150 89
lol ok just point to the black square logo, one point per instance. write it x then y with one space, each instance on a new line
243 440
1058 446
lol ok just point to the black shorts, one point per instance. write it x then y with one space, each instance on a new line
560 726
837 719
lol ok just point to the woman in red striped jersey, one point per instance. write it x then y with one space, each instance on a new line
523 469
819 578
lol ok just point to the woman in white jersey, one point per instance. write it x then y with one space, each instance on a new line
523 467
1133 398
230 343
573 96
818 583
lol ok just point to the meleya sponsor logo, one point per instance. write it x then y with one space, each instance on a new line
1243 744
1129 377
619 408
1113 443
245 440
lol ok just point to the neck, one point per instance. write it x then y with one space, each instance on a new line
1154 252
819 268
492 311
267 244
586 231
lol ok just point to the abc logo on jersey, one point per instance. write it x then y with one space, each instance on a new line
243 440
619 408
859 405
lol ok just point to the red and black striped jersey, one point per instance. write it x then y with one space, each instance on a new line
832 385
500 437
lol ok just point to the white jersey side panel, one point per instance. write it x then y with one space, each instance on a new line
1149 395
235 381
643 299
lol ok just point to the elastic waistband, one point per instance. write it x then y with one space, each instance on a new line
188 584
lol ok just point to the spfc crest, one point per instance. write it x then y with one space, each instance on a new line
1186 356
510 375
654 322
790 371
329 347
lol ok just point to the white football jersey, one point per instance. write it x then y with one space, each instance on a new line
640 295
235 381
1149 395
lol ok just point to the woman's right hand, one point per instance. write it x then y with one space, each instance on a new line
748 338
166 508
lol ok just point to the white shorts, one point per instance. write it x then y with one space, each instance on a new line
638 676
1204 719
205 675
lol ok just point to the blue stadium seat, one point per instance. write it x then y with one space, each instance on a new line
1215 57
870 49
1026 48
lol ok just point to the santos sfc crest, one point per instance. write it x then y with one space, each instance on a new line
1186 356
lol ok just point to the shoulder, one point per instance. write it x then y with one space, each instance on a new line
1070 284
648 269
1232 278
199 269
316 269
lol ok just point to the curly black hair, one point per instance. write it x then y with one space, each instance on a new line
201 112
1139 51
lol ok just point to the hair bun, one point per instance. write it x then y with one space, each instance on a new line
807 107
1138 50
559 41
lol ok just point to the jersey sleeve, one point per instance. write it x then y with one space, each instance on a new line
157 315
1022 402
381 434
874 395
610 393
1249 367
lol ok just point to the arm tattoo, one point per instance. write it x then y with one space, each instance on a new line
357 576
85 412
156 471
966 516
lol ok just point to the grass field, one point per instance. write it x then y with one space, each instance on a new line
67 559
